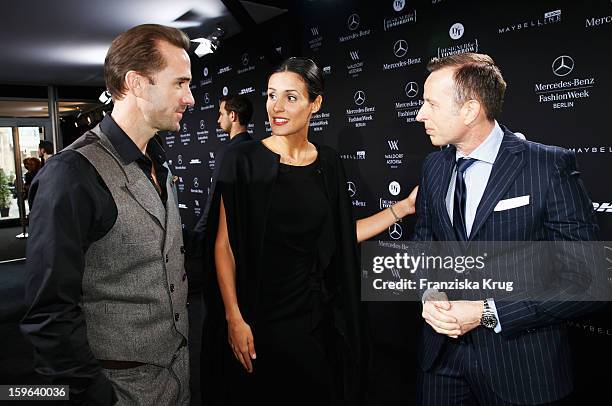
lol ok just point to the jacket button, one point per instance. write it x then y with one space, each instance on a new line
176 317
184 277
172 287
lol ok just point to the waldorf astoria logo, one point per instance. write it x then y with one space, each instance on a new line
355 65
316 39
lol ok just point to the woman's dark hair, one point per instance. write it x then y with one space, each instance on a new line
308 71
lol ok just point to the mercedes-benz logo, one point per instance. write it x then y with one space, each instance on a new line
245 59
352 189
184 127
395 231
202 125
206 98
411 89
196 183
179 159
400 48
353 22
359 97
563 65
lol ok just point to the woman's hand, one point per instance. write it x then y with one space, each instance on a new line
407 206
241 341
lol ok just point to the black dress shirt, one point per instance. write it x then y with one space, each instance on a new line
71 207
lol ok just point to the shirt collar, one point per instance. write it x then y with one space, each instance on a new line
487 151
126 148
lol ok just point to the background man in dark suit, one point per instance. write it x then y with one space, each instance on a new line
489 185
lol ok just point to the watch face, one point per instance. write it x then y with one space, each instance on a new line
489 320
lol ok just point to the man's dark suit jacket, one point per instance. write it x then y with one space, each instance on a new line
529 361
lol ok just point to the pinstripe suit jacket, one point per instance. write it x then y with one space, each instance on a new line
529 361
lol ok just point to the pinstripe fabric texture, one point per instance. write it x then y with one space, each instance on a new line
529 361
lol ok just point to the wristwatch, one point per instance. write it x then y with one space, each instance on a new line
488 318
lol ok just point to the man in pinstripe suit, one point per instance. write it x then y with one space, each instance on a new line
489 185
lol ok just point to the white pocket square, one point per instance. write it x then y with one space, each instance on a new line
512 203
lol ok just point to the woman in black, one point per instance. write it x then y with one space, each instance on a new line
286 257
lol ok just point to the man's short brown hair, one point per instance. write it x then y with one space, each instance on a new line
137 50
476 78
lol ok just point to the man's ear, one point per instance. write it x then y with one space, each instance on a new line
134 83
470 111
233 116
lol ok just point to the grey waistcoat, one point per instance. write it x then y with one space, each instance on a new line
134 282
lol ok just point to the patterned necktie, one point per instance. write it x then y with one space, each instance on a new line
460 196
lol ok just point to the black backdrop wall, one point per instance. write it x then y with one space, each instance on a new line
555 57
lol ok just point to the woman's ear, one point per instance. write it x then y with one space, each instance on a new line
316 104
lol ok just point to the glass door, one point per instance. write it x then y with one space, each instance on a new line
17 169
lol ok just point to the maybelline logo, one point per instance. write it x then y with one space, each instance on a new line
355 68
396 21
357 156
590 328
247 90
400 49
319 121
550 17
595 22
352 191
195 161
353 23
456 32
317 40
224 69
603 207
361 115
244 61
592 150
563 94
394 158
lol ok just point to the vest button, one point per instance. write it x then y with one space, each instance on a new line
172 287
176 317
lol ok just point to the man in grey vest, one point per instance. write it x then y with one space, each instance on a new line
106 285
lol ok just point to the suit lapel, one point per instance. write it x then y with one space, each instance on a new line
508 164
440 189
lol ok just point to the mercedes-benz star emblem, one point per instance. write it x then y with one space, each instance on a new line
351 188
196 183
202 125
563 65
400 48
359 97
411 89
353 22
179 159
245 59
395 231
206 98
